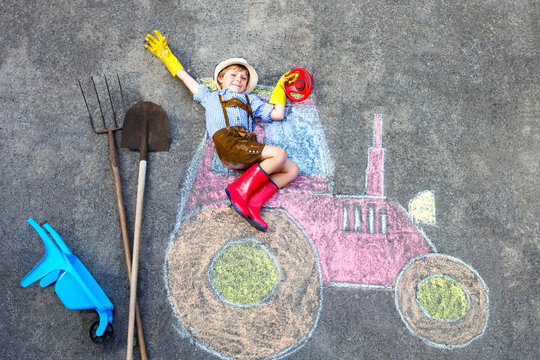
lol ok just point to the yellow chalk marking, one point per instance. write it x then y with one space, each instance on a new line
422 207
209 83
244 273
442 298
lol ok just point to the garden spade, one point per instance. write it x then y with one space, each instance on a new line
146 128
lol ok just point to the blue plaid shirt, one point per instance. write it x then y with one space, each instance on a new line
237 117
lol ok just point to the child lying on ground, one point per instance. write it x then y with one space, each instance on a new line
230 113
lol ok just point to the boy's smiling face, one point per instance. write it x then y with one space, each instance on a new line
234 79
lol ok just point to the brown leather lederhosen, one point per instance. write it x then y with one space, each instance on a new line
236 147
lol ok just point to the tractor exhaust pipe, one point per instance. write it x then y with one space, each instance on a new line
375 164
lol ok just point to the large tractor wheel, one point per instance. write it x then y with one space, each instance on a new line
442 300
242 293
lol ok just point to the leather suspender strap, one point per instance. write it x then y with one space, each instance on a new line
235 102
223 106
250 113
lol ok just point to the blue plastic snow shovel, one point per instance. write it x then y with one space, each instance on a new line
75 286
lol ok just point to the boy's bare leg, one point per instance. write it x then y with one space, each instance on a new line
288 173
275 163
273 158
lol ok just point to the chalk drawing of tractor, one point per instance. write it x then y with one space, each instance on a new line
243 294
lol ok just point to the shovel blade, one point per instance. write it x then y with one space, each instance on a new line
145 123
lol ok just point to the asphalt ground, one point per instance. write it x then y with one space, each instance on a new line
457 83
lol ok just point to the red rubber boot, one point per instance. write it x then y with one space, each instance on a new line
257 200
239 191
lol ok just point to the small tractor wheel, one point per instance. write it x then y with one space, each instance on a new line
442 300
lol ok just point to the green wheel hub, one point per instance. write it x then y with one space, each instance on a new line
244 273
442 298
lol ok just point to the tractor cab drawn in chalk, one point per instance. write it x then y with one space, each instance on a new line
360 241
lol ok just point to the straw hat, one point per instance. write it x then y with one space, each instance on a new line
253 77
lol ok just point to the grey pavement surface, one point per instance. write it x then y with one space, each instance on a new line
457 81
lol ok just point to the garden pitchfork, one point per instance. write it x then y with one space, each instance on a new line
118 190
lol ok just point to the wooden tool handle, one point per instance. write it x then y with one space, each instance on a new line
127 253
135 261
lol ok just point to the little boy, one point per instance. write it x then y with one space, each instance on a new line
230 113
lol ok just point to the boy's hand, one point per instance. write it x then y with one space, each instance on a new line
278 95
160 48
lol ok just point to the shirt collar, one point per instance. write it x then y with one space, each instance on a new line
230 92
224 91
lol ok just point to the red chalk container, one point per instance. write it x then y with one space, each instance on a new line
302 85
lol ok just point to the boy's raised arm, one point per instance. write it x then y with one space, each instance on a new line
190 82
278 96
159 47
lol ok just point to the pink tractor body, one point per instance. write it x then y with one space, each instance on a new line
361 240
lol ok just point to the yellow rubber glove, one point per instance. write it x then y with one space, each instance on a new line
278 95
160 48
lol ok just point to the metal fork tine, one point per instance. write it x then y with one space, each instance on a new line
99 103
87 108
110 100
113 124
121 93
